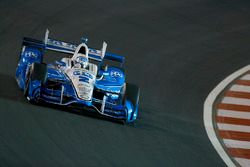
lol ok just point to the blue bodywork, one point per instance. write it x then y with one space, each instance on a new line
59 89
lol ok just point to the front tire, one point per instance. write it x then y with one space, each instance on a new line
132 95
37 72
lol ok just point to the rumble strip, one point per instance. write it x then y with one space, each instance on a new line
227 118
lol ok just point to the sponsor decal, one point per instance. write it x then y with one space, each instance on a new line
61 44
82 73
29 53
95 52
116 74
83 76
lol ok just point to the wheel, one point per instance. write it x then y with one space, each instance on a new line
123 94
39 72
36 72
27 82
132 101
132 93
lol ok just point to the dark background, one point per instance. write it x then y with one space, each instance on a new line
176 51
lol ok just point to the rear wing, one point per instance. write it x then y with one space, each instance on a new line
65 47
94 54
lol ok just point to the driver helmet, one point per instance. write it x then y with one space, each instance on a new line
77 65
82 60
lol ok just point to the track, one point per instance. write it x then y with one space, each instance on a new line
177 51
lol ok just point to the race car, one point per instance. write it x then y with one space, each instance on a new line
83 79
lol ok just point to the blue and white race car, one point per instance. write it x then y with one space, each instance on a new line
82 80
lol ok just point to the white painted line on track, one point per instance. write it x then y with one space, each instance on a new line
245 77
236 143
233 114
231 127
235 100
240 88
208 114
243 162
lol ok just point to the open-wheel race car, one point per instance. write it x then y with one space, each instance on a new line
81 80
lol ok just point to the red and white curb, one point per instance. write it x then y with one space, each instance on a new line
227 118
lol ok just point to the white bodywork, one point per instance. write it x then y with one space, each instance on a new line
83 79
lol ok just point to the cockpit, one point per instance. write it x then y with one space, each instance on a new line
79 60
80 57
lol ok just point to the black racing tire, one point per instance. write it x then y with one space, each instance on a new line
132 93
26 88
39 72
123 94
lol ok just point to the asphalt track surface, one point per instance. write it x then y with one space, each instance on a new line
177 51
